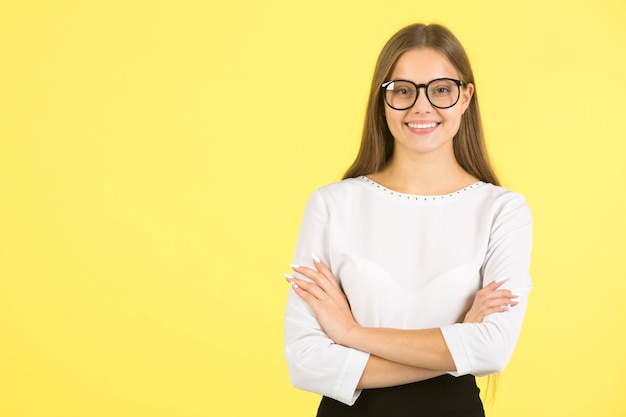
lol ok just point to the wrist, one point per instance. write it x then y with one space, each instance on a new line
350 337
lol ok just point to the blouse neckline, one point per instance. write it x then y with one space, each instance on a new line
415 197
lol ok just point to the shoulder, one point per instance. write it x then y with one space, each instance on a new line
506 203
341 190
333 197
502 196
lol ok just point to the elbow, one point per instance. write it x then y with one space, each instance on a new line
296 375
304 375
489 370
485 349
326 369
304 365
494 366
296 381
301 381
493 359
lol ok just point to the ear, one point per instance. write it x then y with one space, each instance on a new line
467 93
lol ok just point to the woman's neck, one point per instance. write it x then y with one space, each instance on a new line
426 176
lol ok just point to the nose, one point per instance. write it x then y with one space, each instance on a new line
421 103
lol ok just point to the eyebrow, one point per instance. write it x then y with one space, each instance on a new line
436 78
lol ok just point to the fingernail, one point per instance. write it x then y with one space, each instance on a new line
516 294
294 265
499 280
293 284
315 258
288 276
515 300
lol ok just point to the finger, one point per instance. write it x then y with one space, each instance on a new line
495 284
321 274
307 286
310 273
480 316
500 301
487 294
319 265
492 310
330 284
301 292
506 295
488 290
315 276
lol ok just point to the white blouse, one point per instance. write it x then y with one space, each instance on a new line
409 262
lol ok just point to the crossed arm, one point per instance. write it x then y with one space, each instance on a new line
396 356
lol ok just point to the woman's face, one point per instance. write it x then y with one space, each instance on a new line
423 128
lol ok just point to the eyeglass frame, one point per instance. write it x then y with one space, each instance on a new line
459 83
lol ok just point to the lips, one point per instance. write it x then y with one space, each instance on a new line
428 125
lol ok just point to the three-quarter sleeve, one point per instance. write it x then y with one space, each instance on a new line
485 348
315 362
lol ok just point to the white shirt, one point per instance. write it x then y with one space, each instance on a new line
409 262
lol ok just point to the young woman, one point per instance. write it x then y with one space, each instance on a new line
411 274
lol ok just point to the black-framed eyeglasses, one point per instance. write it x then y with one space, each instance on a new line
442 93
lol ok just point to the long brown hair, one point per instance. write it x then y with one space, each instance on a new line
377 141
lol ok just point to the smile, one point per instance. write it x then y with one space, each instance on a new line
422 126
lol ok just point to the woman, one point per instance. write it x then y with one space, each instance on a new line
411 274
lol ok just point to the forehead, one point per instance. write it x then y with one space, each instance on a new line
423 65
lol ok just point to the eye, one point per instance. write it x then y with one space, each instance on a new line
442 88
403 90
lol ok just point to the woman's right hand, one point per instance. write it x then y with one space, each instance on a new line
490 300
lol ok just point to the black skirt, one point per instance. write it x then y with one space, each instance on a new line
444 396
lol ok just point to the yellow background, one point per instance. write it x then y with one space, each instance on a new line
155 158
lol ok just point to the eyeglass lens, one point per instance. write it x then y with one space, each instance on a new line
442 93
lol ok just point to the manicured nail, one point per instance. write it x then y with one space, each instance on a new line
499 280
294 265
516 294
288 276
515 300
315 258
293 284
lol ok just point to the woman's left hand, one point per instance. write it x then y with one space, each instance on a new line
325 297
489 300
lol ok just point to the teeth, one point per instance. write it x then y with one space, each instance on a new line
421 126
